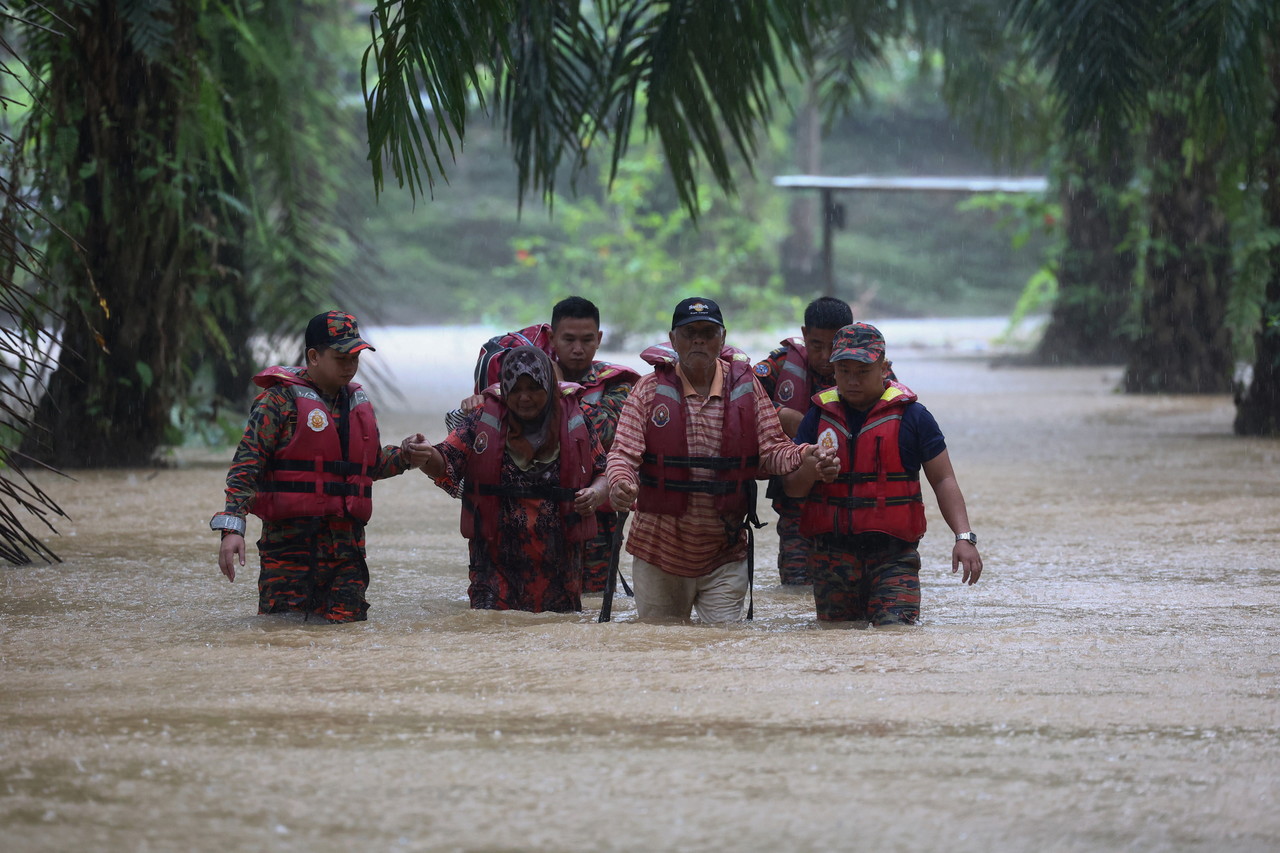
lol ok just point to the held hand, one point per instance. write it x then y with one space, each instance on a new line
229 552
588 500
828 464
475 401
432 462
966 554
418 450
622 495
413 449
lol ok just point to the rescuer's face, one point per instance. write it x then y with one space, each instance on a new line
861 384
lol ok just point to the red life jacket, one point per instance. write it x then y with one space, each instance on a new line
666 467
482 479
314 474
873 492
606 374
793 388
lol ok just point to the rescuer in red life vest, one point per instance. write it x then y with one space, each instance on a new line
866 521
306 467
791 375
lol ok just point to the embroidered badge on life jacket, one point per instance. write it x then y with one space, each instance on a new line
317 420
827 440
481 443
786 390
661 415
762 369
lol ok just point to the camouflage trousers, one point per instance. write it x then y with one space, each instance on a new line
596 556
314 566
793 549
871 577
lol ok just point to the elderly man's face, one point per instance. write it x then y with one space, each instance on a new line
698 343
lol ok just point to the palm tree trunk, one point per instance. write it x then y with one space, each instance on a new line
1096 270
1258 409
1183 345
116 124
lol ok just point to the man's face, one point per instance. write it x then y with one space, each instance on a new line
817 342
698 343
861 384
330 370
575 340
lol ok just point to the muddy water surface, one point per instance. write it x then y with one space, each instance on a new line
1113 682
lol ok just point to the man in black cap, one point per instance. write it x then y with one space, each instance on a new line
693 438
306 467
866 521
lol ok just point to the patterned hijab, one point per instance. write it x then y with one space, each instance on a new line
536 438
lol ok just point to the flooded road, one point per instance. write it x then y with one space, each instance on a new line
1112 683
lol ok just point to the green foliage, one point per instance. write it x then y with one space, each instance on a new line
636 256
566 74
1024 217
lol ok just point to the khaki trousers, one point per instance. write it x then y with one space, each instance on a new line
664 597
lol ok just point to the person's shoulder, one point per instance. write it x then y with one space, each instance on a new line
275 397
918 418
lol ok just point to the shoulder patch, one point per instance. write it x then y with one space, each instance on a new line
763 368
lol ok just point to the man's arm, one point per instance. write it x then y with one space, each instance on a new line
628 446
942 479
268 426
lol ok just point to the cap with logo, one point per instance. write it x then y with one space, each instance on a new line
336 330
696 308
858 342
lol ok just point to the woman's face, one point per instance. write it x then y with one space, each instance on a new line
527 398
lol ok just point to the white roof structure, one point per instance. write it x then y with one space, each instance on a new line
832 214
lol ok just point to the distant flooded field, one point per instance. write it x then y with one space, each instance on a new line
1112 683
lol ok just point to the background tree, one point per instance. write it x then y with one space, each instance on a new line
178 140
1196 70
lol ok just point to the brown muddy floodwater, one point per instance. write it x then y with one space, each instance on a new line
1112 684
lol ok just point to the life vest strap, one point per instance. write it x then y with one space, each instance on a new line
710 463
553 493
342 490
868 503
706 487
898 477
337 468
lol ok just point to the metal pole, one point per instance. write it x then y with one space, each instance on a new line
828 223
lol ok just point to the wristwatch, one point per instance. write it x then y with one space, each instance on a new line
229 523
970 537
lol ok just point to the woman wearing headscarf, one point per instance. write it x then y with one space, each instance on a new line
529 469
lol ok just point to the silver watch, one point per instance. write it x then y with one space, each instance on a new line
229 523
970 537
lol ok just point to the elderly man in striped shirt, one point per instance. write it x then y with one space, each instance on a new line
691 441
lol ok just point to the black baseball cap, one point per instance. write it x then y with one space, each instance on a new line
696 308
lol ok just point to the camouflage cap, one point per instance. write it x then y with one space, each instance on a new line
336 330
858 342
